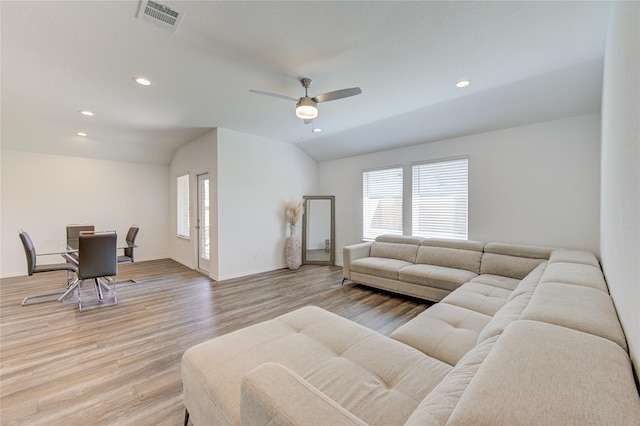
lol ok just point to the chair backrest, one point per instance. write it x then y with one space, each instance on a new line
131 238
29 251
73 232
98 256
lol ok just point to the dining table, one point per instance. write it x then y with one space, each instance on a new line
67 248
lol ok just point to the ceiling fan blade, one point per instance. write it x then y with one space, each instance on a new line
275 95
338 94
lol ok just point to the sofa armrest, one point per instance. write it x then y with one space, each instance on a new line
353 252
274 395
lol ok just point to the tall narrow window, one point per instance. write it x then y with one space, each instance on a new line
183 206
381 202
440 193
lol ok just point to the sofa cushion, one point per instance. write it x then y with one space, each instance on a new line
507 266
529 283
274 395
575 273
435 276
478 297
451 258
400 239
378 379
510 312
577 307
549 375
511 260
505 283
436 408
406 252
379 266
574 256
516 303
516 250
445 332
453 244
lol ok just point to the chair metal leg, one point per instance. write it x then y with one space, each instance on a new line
99 294
70 289
186 417
104 285
343 280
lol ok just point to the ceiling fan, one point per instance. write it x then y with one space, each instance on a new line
306 106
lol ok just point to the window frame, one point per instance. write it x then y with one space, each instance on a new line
455 213
390 215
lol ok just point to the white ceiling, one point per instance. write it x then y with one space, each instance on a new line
528 62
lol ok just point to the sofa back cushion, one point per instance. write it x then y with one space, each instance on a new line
578 267
401 239
511 260
469 260
574 256
406 252
453 244
546 374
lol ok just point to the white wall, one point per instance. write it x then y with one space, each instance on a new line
256 177
42 193
620 207
251 178
196 157
536 184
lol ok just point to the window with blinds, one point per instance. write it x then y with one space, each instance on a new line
183 206
381 202
440 195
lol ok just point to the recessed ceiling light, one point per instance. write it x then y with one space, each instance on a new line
463 83
87 113
81 134
142 81
316 130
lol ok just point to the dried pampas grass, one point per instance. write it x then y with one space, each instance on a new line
293 210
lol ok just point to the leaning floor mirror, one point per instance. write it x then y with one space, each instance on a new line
318 230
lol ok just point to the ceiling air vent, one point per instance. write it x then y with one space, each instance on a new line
160 15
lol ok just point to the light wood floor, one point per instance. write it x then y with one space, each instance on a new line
121 365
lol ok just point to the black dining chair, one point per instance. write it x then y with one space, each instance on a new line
98 259
73 232
34 268
131 239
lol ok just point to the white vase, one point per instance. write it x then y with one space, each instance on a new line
293 249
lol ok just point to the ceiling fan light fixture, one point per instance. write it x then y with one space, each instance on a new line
142 81
306 108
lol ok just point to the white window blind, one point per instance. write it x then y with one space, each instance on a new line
183 206
440 194
381 202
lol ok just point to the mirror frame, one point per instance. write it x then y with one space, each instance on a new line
305 218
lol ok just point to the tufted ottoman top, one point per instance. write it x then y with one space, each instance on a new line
379 380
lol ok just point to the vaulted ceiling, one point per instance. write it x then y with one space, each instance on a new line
527 62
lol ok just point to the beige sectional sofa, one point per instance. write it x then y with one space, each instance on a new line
432 268
528 338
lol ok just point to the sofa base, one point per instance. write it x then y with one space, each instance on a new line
395 286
